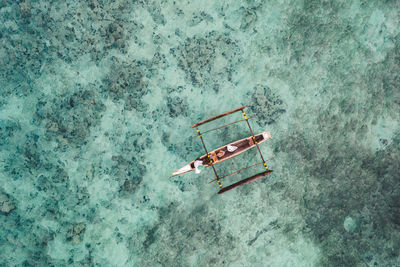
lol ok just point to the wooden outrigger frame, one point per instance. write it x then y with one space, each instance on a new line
218 178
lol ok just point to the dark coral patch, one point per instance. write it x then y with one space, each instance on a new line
208 60
129 173
266 104
8 128
177 106
70 116
126 81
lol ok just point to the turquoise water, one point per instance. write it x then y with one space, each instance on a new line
97 98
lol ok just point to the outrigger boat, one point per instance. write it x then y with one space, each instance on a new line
227 152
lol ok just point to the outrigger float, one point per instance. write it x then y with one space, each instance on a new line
227 152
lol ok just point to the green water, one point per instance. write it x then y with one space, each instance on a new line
97 99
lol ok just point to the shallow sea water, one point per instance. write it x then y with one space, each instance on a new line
97 99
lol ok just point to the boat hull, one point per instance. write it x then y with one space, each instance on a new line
221 154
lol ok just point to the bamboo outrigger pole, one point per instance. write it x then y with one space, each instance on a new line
226 125
218 116
245 181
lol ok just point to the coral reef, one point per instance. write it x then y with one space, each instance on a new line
208 60
177 106
126 82
69 117
266 104
8 128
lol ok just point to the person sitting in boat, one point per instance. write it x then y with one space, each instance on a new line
197 163
220 154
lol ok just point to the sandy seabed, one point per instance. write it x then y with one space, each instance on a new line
96 102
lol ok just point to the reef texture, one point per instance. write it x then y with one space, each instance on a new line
97 98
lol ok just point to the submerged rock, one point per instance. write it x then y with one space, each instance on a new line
75 233
350 224
6 204
248 19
